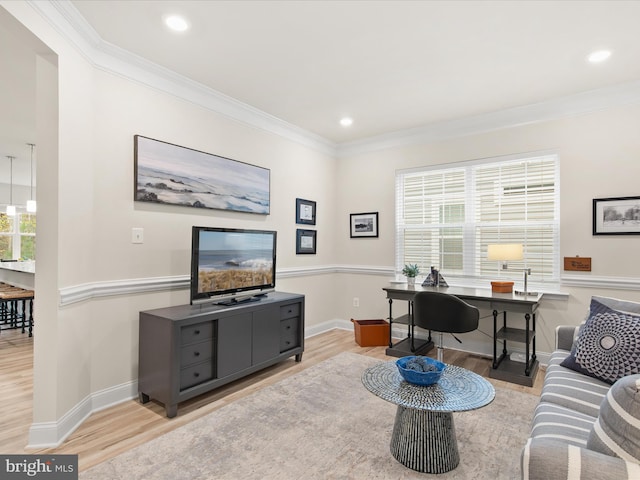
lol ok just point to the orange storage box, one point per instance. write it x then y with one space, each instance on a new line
502 287
371 333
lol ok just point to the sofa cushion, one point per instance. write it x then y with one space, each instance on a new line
571 389
545 459
608 345
617 428
561 423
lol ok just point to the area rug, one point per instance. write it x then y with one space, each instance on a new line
320 424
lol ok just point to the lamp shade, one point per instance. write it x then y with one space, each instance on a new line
505 251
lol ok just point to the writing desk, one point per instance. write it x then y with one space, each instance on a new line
502 367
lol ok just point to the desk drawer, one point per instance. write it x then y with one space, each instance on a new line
196 333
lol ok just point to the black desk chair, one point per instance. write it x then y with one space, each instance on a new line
444 313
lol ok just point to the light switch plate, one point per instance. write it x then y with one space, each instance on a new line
137 235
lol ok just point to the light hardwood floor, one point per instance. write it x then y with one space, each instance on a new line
117 429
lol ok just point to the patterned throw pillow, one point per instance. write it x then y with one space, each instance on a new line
616 432
608 345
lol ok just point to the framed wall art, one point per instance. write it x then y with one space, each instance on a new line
364 225
170 174
305 211
305 241
616 216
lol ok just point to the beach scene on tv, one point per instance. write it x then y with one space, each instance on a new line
229 261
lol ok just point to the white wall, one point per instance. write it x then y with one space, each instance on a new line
598 158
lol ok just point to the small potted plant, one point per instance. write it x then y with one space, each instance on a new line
411 272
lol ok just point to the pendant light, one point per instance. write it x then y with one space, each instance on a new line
31 204
11 208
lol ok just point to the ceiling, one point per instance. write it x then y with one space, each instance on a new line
390 65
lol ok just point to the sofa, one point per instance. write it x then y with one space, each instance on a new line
587 423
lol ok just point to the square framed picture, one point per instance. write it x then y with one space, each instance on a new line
616 216
305 211
305 241
364 225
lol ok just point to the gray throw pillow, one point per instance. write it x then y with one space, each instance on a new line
616 431
608 344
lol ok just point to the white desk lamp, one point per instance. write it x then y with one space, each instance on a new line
503 252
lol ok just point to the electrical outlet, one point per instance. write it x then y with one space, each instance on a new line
356 302
137 235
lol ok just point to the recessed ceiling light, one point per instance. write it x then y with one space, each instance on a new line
599 56
346 121
176 23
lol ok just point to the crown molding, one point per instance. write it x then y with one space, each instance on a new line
572 105
70 23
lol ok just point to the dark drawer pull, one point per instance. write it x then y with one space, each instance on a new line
196 374
197 354
288 327
288 342
290 311
197 332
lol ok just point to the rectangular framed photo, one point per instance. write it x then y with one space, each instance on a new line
305 211
305 241
616 216
364 225
169 174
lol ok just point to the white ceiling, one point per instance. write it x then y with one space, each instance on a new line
391 65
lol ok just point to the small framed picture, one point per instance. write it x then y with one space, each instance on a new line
364 225
305 211
616 216
305 241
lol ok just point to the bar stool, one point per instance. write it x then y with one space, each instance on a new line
11 315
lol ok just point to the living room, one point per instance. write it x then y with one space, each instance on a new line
92 281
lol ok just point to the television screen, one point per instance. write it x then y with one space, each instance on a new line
231 264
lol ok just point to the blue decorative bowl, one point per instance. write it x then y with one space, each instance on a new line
417 377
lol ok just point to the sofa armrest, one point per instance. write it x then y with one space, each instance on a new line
549 459
565 334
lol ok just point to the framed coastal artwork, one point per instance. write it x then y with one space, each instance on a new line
169 174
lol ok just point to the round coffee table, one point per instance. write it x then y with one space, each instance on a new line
424 437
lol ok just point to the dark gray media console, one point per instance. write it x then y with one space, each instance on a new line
188 350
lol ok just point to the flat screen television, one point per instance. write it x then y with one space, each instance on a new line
231 265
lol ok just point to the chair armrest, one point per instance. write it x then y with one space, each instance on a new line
565 335
548 459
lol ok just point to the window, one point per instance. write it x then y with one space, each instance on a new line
18 236
447 215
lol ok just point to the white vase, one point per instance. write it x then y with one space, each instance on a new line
411 281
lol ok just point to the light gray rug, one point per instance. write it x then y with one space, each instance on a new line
320 424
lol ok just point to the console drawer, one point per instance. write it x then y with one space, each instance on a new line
290 310
289 334
196 374
196 333
195 353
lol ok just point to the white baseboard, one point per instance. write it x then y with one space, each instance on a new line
52 434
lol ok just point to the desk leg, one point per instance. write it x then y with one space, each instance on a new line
533 341
528 361
424 440
390 322
495 340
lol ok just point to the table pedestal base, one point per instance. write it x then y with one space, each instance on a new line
424 440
